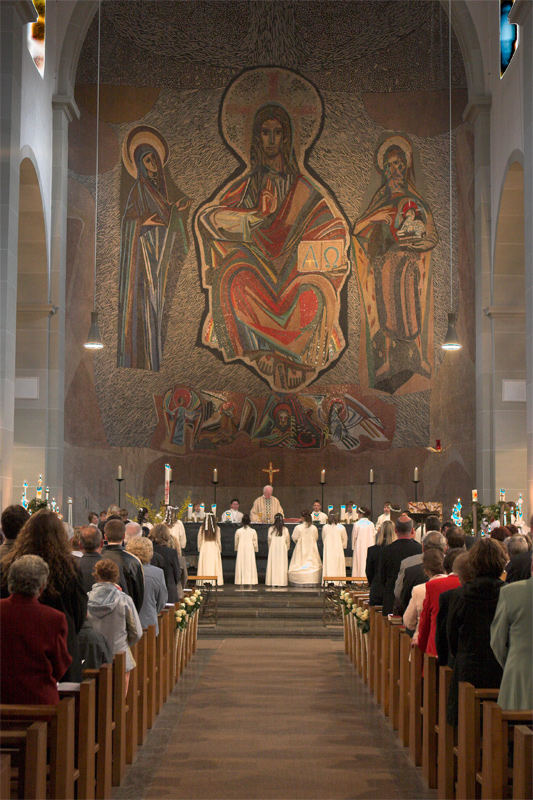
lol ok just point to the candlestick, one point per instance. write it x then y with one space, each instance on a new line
323 476
119 484
119 472
215 476
168 473
371 475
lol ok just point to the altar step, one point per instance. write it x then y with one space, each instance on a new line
264 612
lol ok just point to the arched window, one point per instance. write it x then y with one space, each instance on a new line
508 35
36 34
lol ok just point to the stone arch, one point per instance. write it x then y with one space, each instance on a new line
32 333
508 318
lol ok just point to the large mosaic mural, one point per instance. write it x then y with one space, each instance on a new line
273 243
196 419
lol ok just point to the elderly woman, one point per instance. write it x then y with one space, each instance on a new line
33 645
155 589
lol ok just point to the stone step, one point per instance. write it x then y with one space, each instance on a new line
277 612
269 627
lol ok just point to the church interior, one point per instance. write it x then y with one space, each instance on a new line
279 244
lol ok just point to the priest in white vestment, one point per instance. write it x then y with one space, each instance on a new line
266 507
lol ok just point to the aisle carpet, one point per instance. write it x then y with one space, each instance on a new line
271 718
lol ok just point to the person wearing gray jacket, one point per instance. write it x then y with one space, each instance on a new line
155 588
112 612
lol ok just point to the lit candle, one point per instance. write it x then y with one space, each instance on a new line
371 475
474 495
39 492
502 495
47 493
69 510
215 475
119 473
415 475
167 484
323 476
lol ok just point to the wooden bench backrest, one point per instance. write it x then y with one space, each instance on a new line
26 749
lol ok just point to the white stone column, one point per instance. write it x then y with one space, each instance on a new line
13 15
522 14
64 109
478 114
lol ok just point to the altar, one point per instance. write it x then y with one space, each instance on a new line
227 536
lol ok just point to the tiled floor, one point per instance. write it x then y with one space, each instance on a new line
271 718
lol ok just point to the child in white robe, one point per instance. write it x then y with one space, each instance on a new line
246 547
279 543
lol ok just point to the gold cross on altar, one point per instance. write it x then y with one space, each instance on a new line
270 471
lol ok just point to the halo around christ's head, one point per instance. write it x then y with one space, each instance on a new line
263 86
142 134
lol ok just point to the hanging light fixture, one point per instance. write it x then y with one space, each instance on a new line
451 340
94 340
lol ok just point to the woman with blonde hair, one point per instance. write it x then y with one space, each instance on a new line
167 558
210 548
386 535
155 589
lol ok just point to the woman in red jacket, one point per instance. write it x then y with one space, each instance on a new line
428 619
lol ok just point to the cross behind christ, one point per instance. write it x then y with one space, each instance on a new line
270 471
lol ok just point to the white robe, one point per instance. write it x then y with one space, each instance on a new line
305 566
278 558
319 517
262 511
178 532
232 516
363 536
210 560
335 541
246 547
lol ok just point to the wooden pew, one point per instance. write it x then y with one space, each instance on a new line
84 695
429 720
523 763
394 673
446 739
365 647
60 740
403 687
119 718
415 706
384 667
375 612
468 750
103 678
132 709
171 646
25 751
159 665
376 684
498 728
142 689
151 673
5 777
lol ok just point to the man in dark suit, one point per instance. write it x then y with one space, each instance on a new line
519 566
393 555
414 574
115 531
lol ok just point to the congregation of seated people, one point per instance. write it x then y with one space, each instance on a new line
466 599
73 598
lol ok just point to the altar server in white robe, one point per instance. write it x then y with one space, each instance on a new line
305 566
317 515
363 536
265 507
246 547
210 548
232 514
385 517
335 540
279 543
178 532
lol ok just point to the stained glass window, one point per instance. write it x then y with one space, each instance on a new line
508 35
36 31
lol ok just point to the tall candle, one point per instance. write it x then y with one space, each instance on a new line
167 484
502 495
119 472
39 492
371 475
69 510
323 476
415 475
47 493
215 475
474 495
